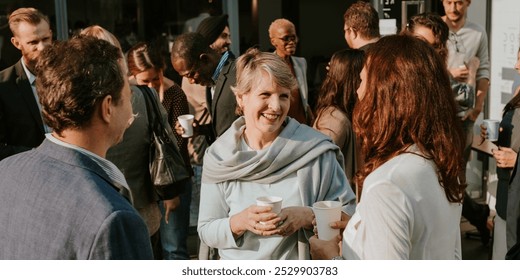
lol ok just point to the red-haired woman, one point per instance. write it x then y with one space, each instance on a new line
412 143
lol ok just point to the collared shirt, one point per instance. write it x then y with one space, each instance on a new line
220 65
110 169
32 78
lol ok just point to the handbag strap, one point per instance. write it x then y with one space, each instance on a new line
149 107
155 121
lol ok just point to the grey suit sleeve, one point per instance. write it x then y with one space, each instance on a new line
122 236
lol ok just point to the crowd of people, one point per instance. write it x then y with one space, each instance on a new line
389 138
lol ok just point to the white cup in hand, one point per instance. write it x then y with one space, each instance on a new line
275 202
186 121
327 212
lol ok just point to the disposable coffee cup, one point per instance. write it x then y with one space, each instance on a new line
274 201
492 128
327 212
186 122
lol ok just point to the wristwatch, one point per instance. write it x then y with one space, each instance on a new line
337 258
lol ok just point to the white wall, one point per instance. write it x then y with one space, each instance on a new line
477 12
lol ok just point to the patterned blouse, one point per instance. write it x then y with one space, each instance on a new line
176 104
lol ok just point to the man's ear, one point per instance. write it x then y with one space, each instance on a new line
16 43
106 109
204 58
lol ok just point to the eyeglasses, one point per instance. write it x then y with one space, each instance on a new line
456 41
289 38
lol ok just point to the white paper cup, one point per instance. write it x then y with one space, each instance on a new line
492 128
327 212
186 122
274 201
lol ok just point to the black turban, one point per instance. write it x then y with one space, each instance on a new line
211 27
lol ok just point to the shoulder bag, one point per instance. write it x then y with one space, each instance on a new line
167 170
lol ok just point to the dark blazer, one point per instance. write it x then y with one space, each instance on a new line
21 125
132 154
57 203
224 103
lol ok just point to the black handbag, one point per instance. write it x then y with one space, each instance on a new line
168 172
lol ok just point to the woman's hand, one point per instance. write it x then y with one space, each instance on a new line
483 133
324 250
178 128
341 224
256 219
294 218
505 157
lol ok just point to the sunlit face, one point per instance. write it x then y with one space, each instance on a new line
31 40
223 41
362 86
284 40
198 73
151 77
123 115
456 9
265 109
424 33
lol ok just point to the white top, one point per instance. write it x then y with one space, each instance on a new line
221 201
404 214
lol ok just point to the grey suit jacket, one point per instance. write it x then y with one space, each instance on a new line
21 125
57 203
224 103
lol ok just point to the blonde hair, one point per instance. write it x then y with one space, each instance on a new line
29 15
281 22
250 66
101 33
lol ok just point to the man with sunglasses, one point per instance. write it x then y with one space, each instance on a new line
283 37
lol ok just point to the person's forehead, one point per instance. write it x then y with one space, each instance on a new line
27 27
286 28
454 1
180 64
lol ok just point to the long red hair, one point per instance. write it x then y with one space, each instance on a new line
408 100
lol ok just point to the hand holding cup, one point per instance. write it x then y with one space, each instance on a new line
491 128
327 212
186 121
